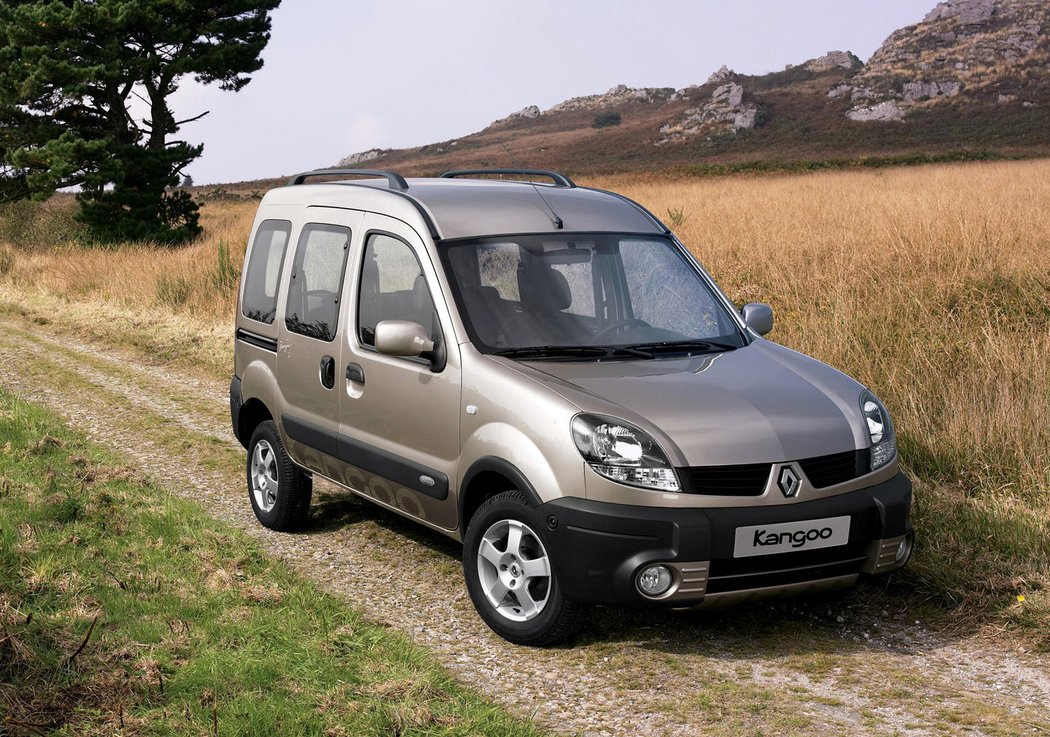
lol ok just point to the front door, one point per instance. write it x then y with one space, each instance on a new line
310 337
400 418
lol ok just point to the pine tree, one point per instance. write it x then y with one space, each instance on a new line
69 72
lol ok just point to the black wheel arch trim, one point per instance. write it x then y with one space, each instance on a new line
494 464
368 457
235 409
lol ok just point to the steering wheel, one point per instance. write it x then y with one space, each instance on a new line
620 326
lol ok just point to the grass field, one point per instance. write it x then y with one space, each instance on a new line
931 285
126 610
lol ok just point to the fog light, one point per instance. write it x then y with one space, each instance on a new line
655 580
903 550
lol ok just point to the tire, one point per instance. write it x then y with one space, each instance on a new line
504 542
279 490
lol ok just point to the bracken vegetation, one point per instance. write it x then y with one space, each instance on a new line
929 284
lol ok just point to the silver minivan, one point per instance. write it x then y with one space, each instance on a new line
544 372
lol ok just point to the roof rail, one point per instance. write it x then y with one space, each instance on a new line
560 180
395 180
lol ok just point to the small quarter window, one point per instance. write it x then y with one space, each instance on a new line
264 269
393 288
316 281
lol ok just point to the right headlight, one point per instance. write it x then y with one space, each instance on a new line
622 452
880 430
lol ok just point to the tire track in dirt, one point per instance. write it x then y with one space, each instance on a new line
836 663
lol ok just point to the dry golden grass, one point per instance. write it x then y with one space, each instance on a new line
138 276
174 304
930 284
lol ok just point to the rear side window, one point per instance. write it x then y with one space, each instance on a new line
393 288
264 269
316 281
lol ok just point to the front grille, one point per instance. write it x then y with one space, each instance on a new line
741 480
750 479
838 468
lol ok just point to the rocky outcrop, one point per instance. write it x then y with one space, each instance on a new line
833 60
619 95
723 75
884 111
965 11
360 158
529 112
920 90
964 49
726 110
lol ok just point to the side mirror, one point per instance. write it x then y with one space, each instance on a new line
402 338
758 317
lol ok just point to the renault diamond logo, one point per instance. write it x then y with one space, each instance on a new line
789 481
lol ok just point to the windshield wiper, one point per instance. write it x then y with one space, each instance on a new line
629 350
553 351
671 346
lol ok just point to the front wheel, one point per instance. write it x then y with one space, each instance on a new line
510 576
278 489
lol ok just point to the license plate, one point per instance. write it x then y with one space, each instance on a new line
789 537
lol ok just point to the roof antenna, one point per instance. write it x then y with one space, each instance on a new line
558 223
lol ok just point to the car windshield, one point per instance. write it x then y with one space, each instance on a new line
585 296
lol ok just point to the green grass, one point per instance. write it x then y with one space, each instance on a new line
123 605
802 166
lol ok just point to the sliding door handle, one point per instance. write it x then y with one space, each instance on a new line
327 372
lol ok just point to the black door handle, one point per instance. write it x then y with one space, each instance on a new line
327 372
355 373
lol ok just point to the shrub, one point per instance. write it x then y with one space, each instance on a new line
35 226
173 291
225 275
676 217
605 120
7 260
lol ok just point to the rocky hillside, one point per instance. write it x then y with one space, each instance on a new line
972 78
980 50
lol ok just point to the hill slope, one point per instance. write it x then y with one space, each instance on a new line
972 77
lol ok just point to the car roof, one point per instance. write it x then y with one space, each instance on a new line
475 208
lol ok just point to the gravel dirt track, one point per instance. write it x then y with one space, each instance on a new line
857 663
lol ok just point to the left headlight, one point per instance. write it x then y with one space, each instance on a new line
621 452
880 430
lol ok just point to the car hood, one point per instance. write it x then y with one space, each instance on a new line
757 404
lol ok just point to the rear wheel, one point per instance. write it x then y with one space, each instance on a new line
510 575
278 489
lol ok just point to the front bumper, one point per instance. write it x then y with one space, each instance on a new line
599 548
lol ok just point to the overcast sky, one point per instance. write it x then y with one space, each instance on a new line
342 76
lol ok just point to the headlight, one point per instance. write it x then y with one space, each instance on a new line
880 430
623 453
